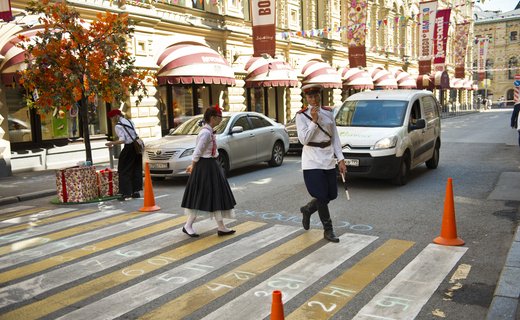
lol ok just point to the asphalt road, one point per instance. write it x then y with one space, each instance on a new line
419 282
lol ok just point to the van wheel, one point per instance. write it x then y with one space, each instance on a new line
433 163
277 155
223 161
404 170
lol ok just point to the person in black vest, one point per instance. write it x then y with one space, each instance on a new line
321 150
130 164
514 119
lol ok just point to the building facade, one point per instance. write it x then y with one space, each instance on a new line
202 53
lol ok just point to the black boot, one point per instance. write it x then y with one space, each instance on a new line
307 210
328 234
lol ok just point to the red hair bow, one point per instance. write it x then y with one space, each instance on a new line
217 108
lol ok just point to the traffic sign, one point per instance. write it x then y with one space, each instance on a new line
517 83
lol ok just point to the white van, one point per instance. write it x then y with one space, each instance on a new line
386 133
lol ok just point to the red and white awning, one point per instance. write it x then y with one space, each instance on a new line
14 56
383 79
441 80
404 80
319 72
457 84
262 72
468 84
423 82
193 62
356 78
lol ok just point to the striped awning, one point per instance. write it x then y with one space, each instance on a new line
193 62
441 80
468 84
319 72
382 78
423 82
356 78
404 80
14 57
457 84
262 72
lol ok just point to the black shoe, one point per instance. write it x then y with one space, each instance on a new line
136 195
124 197
193 235
306 219
225 233
330 236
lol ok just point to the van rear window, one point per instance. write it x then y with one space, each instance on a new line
371 113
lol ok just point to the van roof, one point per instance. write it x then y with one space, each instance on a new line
389 95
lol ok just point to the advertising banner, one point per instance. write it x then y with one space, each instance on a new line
440 38
461 46
264 27
482 57
5 10
356 34
426 24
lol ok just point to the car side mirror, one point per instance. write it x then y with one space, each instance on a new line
419 124
237 129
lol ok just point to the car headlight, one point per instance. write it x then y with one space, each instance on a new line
187 152
385 143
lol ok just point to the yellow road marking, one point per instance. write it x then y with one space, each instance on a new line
33 242
90 249
21 213
198 297
44 221
68 297
341 290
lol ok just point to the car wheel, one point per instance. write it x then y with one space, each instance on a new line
404 170
158 178
433 163
277 155
223 161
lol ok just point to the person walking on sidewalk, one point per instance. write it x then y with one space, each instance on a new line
514 119
207 190
130 164
320 139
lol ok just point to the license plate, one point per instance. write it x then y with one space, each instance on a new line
158 165
352 162
293 140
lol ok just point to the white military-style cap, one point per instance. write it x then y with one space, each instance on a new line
312 88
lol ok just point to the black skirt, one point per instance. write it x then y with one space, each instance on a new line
207 188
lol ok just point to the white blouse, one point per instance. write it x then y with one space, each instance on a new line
204 144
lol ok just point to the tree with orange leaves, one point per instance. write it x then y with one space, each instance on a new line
71 61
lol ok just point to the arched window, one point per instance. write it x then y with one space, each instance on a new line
512 67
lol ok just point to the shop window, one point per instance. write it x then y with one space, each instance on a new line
19 117
257 99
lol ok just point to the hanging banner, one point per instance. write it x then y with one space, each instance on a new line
482 57
5 10
264 27
460 48
440 38
426 22
356 34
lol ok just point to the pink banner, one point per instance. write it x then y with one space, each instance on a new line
482 56
460 48
356 20
264 27
440 38
5 10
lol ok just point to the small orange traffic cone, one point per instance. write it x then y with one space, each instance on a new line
448 235
277 306
149 198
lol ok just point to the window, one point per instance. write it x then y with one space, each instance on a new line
242 121
513 36
489 69
198 4
512 67
259 122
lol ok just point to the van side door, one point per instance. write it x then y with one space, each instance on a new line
416 136
432 131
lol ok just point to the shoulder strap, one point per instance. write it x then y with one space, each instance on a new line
308 117
125 126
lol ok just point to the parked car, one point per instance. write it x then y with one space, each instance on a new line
386 133
243 139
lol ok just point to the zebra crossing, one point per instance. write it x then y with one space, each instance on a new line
74 263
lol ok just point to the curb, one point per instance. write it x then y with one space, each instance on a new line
27 196
505 299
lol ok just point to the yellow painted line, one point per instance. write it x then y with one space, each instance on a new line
68 297
198 297
21 213
90 249
341 290
33 242
44 221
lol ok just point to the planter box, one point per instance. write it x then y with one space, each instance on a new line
77 184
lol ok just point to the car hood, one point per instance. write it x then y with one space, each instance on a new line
364 136
173 142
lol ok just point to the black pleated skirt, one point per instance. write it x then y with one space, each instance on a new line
208 191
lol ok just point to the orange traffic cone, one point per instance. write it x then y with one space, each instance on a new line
448 235
149 199
277 306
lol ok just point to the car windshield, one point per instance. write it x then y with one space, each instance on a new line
191 127
371 113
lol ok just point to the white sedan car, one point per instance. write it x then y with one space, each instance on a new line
243 138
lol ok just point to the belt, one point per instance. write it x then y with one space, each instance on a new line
319 144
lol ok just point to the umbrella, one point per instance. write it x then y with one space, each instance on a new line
345 184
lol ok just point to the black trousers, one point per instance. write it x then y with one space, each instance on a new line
130 169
